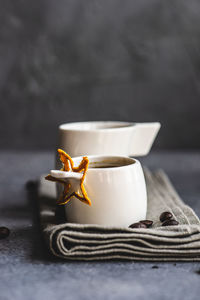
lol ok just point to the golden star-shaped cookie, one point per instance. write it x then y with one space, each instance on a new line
67 162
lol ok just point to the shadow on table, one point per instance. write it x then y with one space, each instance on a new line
39 248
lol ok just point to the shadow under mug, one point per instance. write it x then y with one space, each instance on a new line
116 188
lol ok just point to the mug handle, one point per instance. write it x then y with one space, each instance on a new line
142 138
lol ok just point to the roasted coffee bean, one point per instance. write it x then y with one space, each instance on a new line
148 223
4 232
138 225
197 272
154 267
166 215
170 222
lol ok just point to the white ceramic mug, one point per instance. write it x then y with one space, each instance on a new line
117 192
107 138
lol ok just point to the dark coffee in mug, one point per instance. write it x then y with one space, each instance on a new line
102 167
107 164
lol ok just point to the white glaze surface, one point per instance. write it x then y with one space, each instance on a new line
107 138
118 194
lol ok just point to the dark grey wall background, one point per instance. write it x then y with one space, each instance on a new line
70 60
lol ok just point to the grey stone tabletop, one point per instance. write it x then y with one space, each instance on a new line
29 272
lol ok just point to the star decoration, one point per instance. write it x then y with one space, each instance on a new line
67 162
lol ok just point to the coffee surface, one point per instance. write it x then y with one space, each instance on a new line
104 167
108 164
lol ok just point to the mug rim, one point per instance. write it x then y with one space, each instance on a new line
133 162
78 126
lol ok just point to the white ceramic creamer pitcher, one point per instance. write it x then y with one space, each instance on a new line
107 138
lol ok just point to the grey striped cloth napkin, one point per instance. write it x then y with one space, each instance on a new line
93 242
